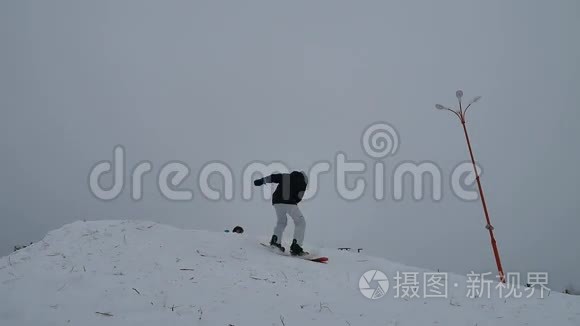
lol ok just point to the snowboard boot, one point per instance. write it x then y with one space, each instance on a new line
274 243
296 250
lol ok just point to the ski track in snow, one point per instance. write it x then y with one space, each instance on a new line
148 274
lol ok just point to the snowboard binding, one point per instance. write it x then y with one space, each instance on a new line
296 249
274 243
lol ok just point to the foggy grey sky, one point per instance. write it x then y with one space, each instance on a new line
234 81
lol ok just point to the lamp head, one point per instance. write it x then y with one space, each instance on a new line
475 99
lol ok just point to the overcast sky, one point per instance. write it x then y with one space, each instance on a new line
298 82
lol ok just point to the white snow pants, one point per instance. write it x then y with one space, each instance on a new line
299 223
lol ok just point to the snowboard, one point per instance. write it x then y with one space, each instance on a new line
309 257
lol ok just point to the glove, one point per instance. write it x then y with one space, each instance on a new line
259 182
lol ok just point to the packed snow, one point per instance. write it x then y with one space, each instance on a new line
147 274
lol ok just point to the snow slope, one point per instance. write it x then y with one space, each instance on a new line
140 273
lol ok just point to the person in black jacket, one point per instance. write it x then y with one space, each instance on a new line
288 194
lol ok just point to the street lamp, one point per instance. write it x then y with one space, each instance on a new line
461 115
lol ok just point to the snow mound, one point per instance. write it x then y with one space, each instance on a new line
142 273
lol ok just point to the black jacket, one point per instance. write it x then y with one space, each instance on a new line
290 188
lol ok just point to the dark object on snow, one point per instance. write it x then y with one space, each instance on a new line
291 187
348 249
238 229
16 248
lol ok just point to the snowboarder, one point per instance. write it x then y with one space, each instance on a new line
288 194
